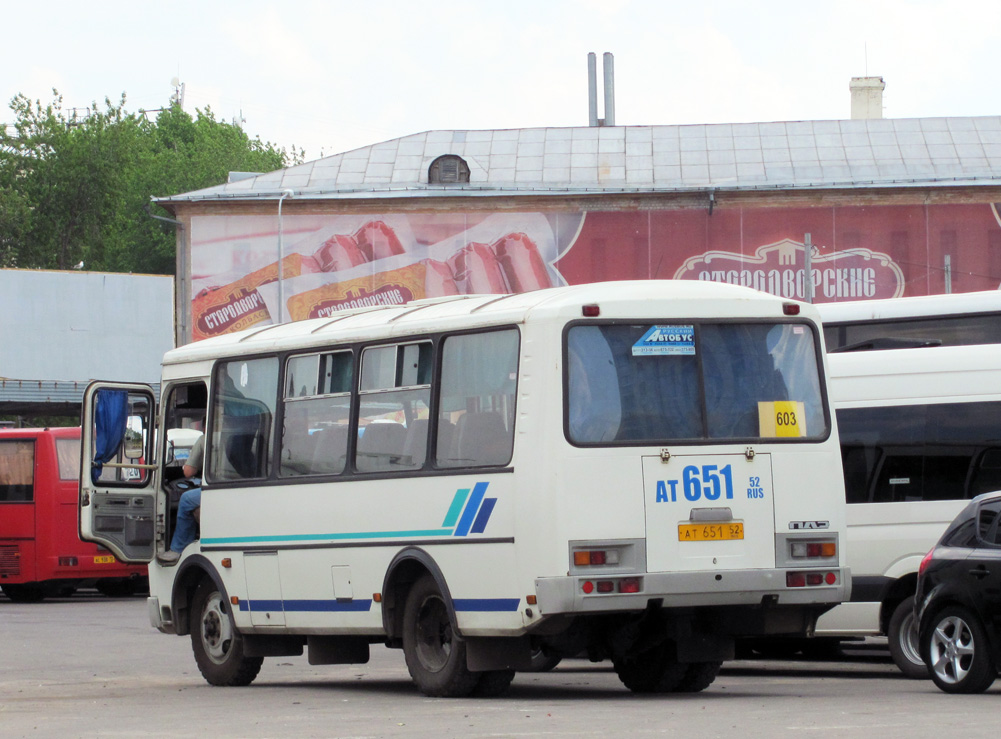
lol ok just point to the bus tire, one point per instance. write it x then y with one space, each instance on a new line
698 677
435 655
493 683
24 593
902 634
652 671
217 644
544 659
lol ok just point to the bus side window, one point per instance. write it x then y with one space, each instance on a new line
317 407
17 471
243 409
478 383
986 474
394 403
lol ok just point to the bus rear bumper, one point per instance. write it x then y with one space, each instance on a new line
579 594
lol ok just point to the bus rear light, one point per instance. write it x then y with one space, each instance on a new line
810 579
790 309
68 562
590 557
629 585
813 549
590 311
587 587
606 586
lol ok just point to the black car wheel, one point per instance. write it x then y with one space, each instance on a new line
958 652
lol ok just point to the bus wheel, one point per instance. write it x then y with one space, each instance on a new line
903 640
652 671
436 657
698 677
544 659
217 645
493 683
24 593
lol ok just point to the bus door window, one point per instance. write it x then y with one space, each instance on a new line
123 438
394 404
478 384
242 419
17 471
316 413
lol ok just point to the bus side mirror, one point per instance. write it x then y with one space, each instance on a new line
132 444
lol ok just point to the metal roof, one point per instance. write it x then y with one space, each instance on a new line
594 160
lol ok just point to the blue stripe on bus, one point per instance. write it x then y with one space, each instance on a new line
307 605
486 604
481 520
426 533
471 508
453 511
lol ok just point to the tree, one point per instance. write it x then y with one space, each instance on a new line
76 188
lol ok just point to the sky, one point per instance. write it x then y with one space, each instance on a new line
331 76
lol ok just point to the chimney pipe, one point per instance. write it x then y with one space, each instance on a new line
867 97
609 88
592 90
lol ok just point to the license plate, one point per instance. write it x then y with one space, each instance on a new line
106 560
710 531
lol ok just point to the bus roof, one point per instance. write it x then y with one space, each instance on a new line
856 311
682 298
935 375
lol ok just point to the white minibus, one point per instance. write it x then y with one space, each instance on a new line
952 319
642 471
920 434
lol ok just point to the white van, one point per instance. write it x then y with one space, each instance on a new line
920 434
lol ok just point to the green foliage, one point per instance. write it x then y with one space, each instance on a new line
77 187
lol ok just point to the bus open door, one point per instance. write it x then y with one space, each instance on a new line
117 486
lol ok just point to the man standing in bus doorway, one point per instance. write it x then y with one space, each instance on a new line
189 506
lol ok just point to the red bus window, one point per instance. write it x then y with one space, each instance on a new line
68 454
17 471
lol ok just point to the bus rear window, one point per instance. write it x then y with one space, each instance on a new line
647 383
17 471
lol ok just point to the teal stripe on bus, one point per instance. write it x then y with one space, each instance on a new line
453 510
327 537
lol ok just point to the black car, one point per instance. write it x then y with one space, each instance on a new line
958 602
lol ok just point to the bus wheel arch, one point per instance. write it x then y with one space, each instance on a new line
409 566
193 571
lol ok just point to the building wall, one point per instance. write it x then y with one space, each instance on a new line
78 326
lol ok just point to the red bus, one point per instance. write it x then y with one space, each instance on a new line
40 549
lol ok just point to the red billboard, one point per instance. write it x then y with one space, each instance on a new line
335 262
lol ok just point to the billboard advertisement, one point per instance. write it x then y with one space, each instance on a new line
251 270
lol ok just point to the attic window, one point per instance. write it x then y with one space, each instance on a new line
448 169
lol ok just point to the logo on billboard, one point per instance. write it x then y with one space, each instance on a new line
778 269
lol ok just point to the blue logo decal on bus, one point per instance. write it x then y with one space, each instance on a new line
469 513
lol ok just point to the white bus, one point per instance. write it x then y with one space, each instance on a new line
642 471
920 435
954 319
